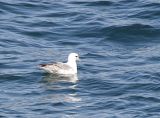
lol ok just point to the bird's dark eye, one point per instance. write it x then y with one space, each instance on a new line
76 56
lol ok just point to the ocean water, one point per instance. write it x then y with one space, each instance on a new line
119 45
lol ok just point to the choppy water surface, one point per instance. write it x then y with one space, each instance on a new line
118 42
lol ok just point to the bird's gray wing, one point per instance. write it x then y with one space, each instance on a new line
61 65
55 67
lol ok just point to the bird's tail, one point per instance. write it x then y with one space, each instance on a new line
42 65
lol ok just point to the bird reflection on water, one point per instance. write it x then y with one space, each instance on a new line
59 78
61 88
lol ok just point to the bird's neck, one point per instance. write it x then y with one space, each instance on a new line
73 65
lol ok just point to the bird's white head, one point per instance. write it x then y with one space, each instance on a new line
73 57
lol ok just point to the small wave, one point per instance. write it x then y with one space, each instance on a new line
11 8
9 77
35 33
149 14
94 3
94 55
142 98
151 4
59 14
42 24
32 5
130 32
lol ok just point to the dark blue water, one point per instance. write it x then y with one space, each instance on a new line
118 42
